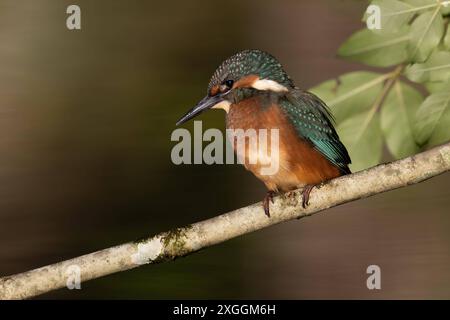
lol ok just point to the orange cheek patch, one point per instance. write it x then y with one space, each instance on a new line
214 90
246 81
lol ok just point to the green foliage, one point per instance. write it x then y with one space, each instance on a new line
361 134
426 32
398 117
436 68
376 49
445 10
437 86
394 15
351 93
372 108
446 42
432 124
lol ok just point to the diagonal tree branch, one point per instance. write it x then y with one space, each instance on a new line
182 241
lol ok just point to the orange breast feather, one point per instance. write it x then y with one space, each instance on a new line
299 162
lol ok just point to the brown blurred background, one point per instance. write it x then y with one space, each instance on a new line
85 124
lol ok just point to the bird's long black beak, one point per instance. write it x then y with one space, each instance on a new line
205 104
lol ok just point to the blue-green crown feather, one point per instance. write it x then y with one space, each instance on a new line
313 122
249 62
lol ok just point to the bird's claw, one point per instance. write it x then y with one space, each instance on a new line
266 202
305 195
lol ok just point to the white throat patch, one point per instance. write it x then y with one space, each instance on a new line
266 84
225 105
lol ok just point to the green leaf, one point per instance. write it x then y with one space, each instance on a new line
424 4
361 135
428 4
447 37
419 5
350 93
432 120
426 32
397 118
445 9
394 15
436 68
376 49
437 86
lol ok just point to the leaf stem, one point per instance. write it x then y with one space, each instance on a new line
392 78
427 28
394 75
428 6
359 89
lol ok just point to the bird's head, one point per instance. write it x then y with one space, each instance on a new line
251 70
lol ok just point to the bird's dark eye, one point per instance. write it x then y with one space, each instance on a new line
229 83
226 86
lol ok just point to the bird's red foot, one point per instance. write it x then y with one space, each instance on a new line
305 195
266 201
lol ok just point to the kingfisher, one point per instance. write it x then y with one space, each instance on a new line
256 93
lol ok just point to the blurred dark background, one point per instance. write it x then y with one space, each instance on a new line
85 124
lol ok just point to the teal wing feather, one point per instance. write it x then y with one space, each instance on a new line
314 123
